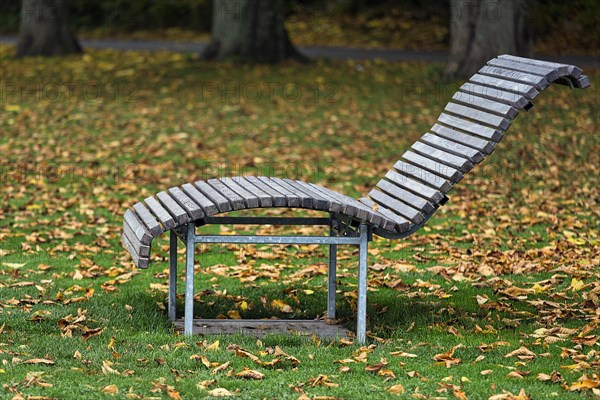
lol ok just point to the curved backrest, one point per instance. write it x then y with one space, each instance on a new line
467 131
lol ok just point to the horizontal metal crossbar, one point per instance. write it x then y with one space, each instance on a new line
253 239
265 221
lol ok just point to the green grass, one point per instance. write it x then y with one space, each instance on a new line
72 165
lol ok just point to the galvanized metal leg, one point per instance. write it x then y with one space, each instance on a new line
172 307
331 277
361 325
189 281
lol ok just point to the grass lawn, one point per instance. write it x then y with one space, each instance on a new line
497 295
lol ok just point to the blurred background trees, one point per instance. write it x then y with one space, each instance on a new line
551 27
45 29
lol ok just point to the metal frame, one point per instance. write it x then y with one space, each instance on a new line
341 232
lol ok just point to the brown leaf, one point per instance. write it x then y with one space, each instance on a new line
110 389
247 373
522 353
397 389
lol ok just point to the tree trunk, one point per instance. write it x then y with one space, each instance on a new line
483 29
45 29
251 31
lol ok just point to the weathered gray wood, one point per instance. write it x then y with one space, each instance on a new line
318 202
435 167
259 328
148 219
250 199
401 223
433 195
246 192
429 178
236 201
504 110
279 200
292 199
186 203
143 250
137 229
461 163
547 72
485 146
450 146
163 215
583 82
562 69
527 91
178 213
364 212
471 127
405 196
140 262
478 115
215 197
399 207
204 202
539 82
345 202
514 99
306 201
334 205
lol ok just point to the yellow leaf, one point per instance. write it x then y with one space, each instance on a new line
110 389
396 389
234 314
213 347
576 285
220 392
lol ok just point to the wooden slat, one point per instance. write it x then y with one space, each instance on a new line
516 100
334 204
306 201
349 206
204 202
163 215
319 202
437 168
461 163
143 250
236 200
562 69
178 213
141 262
215 197
547 72
478 115
139 230
429 178
148 219
539 82
450 146
252 198
265 198
278 199
583 82
505 110
528 91
405 196
186 203
485 146
345 206
434 196
401 223
399 207
364 212
292 199
470 127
